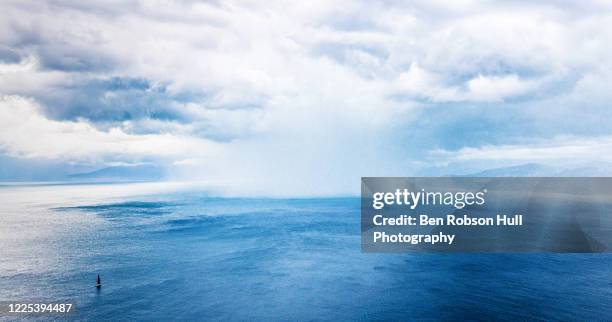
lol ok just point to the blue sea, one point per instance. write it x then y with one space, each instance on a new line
169 252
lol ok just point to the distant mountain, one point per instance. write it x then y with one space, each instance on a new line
138 172
522 170
33 170
593 169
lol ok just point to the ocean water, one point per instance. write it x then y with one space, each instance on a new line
171 252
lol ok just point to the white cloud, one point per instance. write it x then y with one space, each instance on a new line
421 84
497 88
562 149
26 132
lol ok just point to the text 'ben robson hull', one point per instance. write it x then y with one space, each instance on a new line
440 238
450 220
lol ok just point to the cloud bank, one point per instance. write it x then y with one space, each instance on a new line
306 96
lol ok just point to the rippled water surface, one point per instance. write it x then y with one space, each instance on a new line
170 252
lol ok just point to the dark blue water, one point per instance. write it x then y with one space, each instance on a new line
191 257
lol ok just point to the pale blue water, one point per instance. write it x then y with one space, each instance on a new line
185 256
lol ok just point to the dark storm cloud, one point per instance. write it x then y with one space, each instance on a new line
114 99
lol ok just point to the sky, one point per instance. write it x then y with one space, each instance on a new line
304 97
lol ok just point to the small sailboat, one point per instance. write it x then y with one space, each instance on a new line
98 284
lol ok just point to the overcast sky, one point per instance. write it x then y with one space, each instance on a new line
306 96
